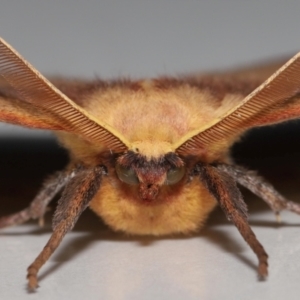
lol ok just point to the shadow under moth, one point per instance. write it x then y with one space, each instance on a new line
150 157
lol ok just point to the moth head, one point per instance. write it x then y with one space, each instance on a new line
150 174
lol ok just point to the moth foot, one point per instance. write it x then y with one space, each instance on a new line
15 219
21 217
32 279
32 284
278 217
263 271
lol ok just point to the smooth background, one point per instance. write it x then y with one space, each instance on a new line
135 38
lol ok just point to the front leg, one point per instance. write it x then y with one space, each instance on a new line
75 198
223 187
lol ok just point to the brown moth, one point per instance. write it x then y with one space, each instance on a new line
149 156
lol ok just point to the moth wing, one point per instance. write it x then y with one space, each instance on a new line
276 100
24 115
39 104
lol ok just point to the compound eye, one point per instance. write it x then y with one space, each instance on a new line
127 175
174 175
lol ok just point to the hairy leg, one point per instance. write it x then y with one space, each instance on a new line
223 187
260 187
38 206
75 198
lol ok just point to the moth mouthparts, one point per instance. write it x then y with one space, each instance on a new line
148 192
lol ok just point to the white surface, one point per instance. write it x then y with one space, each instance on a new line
95 263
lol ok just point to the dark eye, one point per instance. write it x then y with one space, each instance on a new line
126 175
174 175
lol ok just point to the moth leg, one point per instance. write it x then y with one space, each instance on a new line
223 187
38 206
261 188
75 198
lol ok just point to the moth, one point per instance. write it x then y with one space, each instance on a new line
150 157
